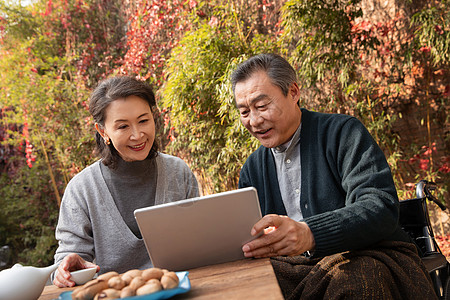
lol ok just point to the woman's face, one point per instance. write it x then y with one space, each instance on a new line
130 127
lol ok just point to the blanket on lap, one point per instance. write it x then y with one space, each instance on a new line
389 270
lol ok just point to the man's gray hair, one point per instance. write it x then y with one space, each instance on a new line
280 72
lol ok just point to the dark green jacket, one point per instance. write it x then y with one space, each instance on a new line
348 197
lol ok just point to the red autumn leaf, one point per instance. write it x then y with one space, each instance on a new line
425 49
438 29
423 164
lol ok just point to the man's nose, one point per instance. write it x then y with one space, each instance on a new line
255 119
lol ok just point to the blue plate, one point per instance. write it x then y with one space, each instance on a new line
183 287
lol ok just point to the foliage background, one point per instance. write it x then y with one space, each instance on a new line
387 64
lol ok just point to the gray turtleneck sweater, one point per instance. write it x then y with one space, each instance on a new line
132 185
96 217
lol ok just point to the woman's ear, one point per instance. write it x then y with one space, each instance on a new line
100 129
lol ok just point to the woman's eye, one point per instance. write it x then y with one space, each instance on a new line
122 126
144 121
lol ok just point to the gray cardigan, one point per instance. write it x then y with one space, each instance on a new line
91 225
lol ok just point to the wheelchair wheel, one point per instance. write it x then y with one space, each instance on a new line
447 290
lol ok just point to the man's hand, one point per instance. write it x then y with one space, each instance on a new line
71 262
282 236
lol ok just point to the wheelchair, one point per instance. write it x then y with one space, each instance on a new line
415 220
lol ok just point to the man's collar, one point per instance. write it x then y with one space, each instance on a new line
287 145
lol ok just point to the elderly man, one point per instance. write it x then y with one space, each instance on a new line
327 195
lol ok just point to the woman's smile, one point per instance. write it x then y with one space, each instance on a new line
138 147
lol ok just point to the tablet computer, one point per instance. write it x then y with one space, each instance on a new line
200 231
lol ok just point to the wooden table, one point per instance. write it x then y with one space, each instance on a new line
244 279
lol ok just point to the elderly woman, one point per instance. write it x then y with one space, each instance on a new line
96 220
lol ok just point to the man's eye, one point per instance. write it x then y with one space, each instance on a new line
244 113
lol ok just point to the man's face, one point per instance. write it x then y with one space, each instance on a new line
267 114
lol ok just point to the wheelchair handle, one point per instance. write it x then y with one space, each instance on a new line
424 189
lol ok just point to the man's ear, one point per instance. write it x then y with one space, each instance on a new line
100 129
294 91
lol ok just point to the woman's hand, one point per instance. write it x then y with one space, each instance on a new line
282 236
71 262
